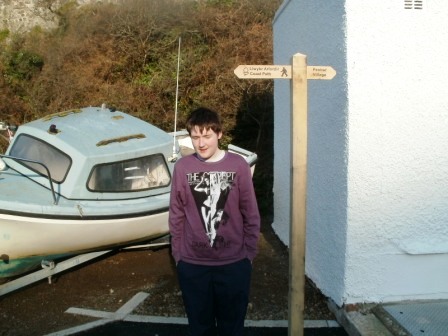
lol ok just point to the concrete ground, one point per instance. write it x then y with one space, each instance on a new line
428 318
124 321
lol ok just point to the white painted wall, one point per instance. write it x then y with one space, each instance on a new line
377 212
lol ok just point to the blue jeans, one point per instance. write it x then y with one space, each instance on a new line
215 297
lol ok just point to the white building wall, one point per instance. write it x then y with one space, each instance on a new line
398 151
377 212
317 30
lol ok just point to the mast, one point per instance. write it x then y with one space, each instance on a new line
174 157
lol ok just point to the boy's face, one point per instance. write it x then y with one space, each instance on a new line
205 143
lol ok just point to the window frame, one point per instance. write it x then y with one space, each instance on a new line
18 150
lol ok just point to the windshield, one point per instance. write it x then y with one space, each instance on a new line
30 148
133 175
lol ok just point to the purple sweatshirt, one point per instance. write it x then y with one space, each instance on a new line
213 216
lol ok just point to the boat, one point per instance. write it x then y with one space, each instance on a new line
85 180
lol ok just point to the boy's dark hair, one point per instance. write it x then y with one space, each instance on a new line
204 118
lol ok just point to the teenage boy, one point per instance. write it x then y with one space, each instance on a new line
214 225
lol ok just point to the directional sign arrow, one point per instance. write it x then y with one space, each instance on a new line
281 72
263 71
320 72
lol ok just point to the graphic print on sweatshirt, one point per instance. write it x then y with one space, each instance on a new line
210 191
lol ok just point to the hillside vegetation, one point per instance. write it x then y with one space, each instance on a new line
126 57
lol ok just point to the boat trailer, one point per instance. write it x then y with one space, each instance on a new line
50 268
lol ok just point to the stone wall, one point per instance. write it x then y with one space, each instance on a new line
23 15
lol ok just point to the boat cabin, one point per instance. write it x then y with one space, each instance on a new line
93 153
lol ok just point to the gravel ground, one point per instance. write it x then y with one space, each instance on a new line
111 281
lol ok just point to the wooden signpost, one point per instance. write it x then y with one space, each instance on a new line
263 71
299 73
281 72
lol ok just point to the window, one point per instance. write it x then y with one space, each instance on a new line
134 175
30 148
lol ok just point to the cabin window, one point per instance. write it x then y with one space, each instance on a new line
144 173
30 148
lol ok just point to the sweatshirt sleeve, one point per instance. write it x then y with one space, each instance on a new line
176 216
250 213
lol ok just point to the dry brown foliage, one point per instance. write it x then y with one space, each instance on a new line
126 56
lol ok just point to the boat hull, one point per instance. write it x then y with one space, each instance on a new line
26 241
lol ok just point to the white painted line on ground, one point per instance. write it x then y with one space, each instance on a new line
123 313
266 323
106 317
247 323
156 319
284 323
129 306
321 324
333 324
80 328
91 313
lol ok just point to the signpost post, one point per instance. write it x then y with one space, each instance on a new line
297 230
299 73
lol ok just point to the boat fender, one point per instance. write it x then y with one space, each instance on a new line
2 165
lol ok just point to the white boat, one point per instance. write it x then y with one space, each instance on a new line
84 180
